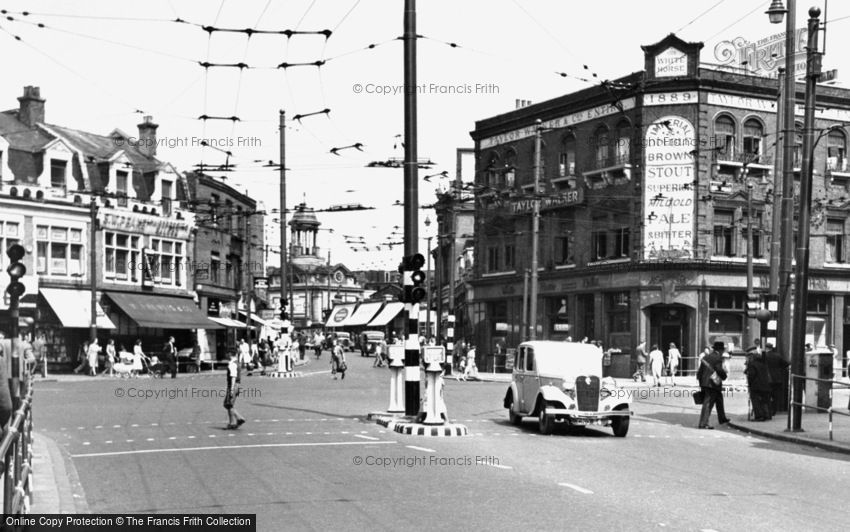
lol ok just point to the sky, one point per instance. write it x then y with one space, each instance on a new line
104 64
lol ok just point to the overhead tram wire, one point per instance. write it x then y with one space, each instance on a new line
707 11
241 70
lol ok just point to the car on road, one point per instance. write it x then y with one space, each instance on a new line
344 340
562 382
368 341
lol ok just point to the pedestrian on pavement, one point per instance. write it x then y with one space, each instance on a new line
777 368
470 369
338 364
93 351
39 346
6 406
318 340
758 380
674 356
110 358
460 374
244 354
170 355
656 364
302 344
234 419
710 377
138 358
640 362
83 357
379 355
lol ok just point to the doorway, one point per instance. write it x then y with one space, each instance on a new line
669 324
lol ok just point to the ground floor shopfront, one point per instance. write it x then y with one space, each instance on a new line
659 304
60 321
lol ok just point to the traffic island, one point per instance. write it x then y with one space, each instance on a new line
408 425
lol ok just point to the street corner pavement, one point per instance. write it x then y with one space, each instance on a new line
815 430
56 486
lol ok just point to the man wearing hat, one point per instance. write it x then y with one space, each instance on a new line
710 376
758 380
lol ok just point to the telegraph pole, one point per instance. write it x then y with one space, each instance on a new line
411 206
282 128
535 229
749 339
775 240
93 269
789 97
801 280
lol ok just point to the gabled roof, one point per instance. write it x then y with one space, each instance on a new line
103 148
20 136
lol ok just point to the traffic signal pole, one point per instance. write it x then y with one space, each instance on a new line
16 270
93 270
282 128
411 208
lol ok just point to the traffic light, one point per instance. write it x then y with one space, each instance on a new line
753 305
413 278
16 270
283 314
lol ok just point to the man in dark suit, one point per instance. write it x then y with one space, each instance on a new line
713 392
758 380
777 368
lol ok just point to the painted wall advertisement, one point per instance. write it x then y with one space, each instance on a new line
668 189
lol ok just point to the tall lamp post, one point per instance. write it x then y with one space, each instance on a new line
428 284
776 13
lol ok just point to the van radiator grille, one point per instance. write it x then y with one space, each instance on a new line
587 395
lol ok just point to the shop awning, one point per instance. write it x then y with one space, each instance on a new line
162 312
255 320
364 313
339 314
73 308
387 314
227 322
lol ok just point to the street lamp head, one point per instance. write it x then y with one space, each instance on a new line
776 12
427 221
814 12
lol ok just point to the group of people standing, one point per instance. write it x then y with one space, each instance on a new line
660 365
109 360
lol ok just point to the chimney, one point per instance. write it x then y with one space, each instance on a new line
31 110
147 137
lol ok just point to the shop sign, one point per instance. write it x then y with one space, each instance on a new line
267 314
145 224
213 307
668 193
558 123
670 63
765 56
567 199
261 283
501 326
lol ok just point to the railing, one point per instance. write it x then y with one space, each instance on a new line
16 453
831 410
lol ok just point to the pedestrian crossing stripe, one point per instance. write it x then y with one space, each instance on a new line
426 430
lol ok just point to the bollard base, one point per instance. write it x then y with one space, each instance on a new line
408 425
284 374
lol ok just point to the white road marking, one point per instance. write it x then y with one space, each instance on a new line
577 488
365 437
173 438
415 448
99 427
149 439
108 441
86 443
228 447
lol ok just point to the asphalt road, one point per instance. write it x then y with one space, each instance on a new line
308 460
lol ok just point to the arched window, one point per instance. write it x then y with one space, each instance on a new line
753 135
724 135
623 142
836 151
600 141
567 160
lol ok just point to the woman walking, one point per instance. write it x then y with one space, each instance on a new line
234 419
673 358
110 358
656 364
138 357
338 361
94 350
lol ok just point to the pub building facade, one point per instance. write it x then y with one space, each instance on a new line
643 211
143 234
